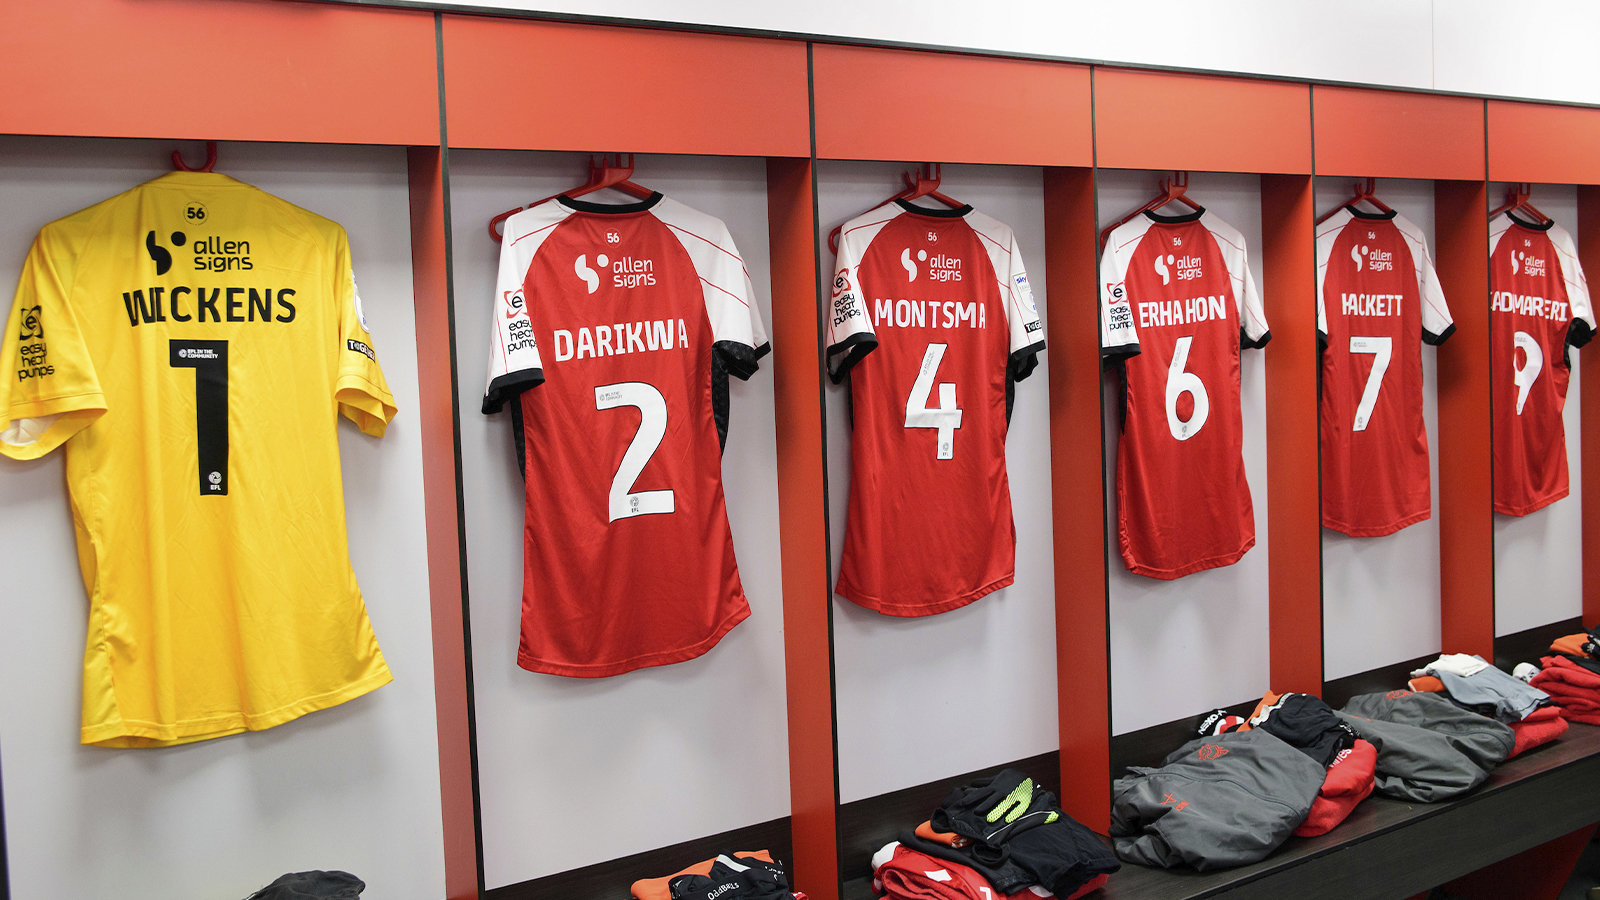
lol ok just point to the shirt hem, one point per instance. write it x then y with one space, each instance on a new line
913 610
1377 530
663 658
1535 506
136 734
1213 562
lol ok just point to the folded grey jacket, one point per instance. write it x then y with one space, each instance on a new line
1219 801
1429 749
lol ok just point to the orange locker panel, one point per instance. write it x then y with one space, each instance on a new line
219 69
1396 134
1542 142
1166 120
520 84
944 107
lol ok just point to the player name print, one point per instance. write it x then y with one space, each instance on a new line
149 305
621 337
928 314
1183 312
1538 307
1370 304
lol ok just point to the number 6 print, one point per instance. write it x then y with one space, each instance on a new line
1180 382
623 501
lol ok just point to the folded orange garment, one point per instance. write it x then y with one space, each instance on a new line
1350 780
1572 643
1531 732
1427 684
656 888
948 838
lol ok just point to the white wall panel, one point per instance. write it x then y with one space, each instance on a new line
1477 49
355 787
575 771
1180 648
1392 579
988 668
1538 558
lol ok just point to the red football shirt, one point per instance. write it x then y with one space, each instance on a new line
615 328
1378 296
933 319
1178 302
1539 303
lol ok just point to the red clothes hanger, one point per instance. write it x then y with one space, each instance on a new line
211 159
1517 201
603 173
1172 191
924 184
1364 191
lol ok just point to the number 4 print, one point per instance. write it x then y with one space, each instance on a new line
624 502
946 417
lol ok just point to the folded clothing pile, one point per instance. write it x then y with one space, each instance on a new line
1003 834
746 875
1472 684
1428 749
1573 685
1309 725
1218 801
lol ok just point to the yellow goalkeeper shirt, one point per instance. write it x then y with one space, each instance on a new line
193 341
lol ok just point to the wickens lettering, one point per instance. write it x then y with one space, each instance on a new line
226 304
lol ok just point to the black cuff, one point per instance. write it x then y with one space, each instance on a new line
843 356
1246 343
740 359
508 386
1122 350
1434 340
1024 361
1579 333
1322 338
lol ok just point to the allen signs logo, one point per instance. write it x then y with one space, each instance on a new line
159 254
911 267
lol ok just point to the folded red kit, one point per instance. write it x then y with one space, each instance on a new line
1350 780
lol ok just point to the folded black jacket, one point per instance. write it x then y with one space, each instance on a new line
731 878
1218 801
1018 835
1307 724
1429 749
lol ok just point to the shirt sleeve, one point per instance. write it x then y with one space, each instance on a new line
1582 327
1027 331
1118 336
361 389
1437 324
50 389
849 333
737 333
1253 331
514 363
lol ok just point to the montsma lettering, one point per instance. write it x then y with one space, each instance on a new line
1182 312
224 304
1538 307
623 337
928 314
215 254
1370 304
